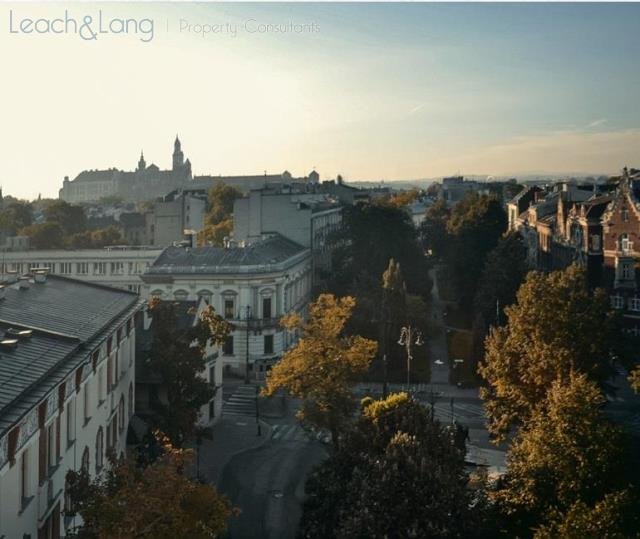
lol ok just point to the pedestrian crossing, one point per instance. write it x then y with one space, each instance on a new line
461 410
289 433
241 403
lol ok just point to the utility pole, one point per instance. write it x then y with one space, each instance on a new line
246 369
408 337
258 411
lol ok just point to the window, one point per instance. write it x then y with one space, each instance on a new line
109 374
181 295
212 375
227 347
71 435
204 294
266 307
130 403
99 449
24 477
86 401
65 268
84 463
229 308
99 268
595 242
624 243
624 213
626 271
101 385
117 268
634 304
212 409
617 302
121 414
268 344
82 268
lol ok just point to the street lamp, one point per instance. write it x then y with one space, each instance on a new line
408 337
246 366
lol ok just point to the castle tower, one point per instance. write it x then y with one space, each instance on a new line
142 165
178 156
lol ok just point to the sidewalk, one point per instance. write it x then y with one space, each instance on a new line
232 435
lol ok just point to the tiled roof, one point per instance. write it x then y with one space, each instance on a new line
271 251
69 318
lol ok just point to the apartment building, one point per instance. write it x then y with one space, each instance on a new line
67 387
252 286
120 267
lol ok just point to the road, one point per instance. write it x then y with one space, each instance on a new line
267 483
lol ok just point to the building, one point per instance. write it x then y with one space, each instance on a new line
307 219
174 214
120 267
252 286
144 183
596 226
66 393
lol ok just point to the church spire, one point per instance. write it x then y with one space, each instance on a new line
142 163
178 156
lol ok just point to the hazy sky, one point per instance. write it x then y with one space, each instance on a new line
377 91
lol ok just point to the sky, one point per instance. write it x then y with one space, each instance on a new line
369 91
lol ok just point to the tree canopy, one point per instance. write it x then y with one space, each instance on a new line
156 501
557 326
567 467
398 473
178 356
323 364
221 199
70 217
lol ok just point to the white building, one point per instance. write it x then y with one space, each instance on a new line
252 286
66 393
113 266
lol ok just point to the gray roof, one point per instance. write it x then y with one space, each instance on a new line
69 319
257 257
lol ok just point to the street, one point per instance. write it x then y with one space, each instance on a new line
267 483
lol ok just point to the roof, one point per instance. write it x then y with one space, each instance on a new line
259 256
95 175
68 319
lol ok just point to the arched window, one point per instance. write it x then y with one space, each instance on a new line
84 466
157 293
130 403
121 414
99 450
181 295
206 295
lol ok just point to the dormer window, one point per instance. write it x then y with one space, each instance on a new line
624 213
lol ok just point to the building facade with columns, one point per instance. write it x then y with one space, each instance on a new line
252 286
67 387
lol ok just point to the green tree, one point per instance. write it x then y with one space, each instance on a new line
156 501
178 357
221 199
398 473
474 227
44 235
557 326
323 365
567 465
504 271
70 217
104 237
433 229
16 216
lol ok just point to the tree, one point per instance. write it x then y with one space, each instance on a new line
70 217
474 227
557 326
221 199
398 473
156 501
324 363
16 216
433 229
567 465
178 356
104 237
215 234
504 270
44 235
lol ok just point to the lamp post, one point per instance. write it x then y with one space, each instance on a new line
410 336
246 363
